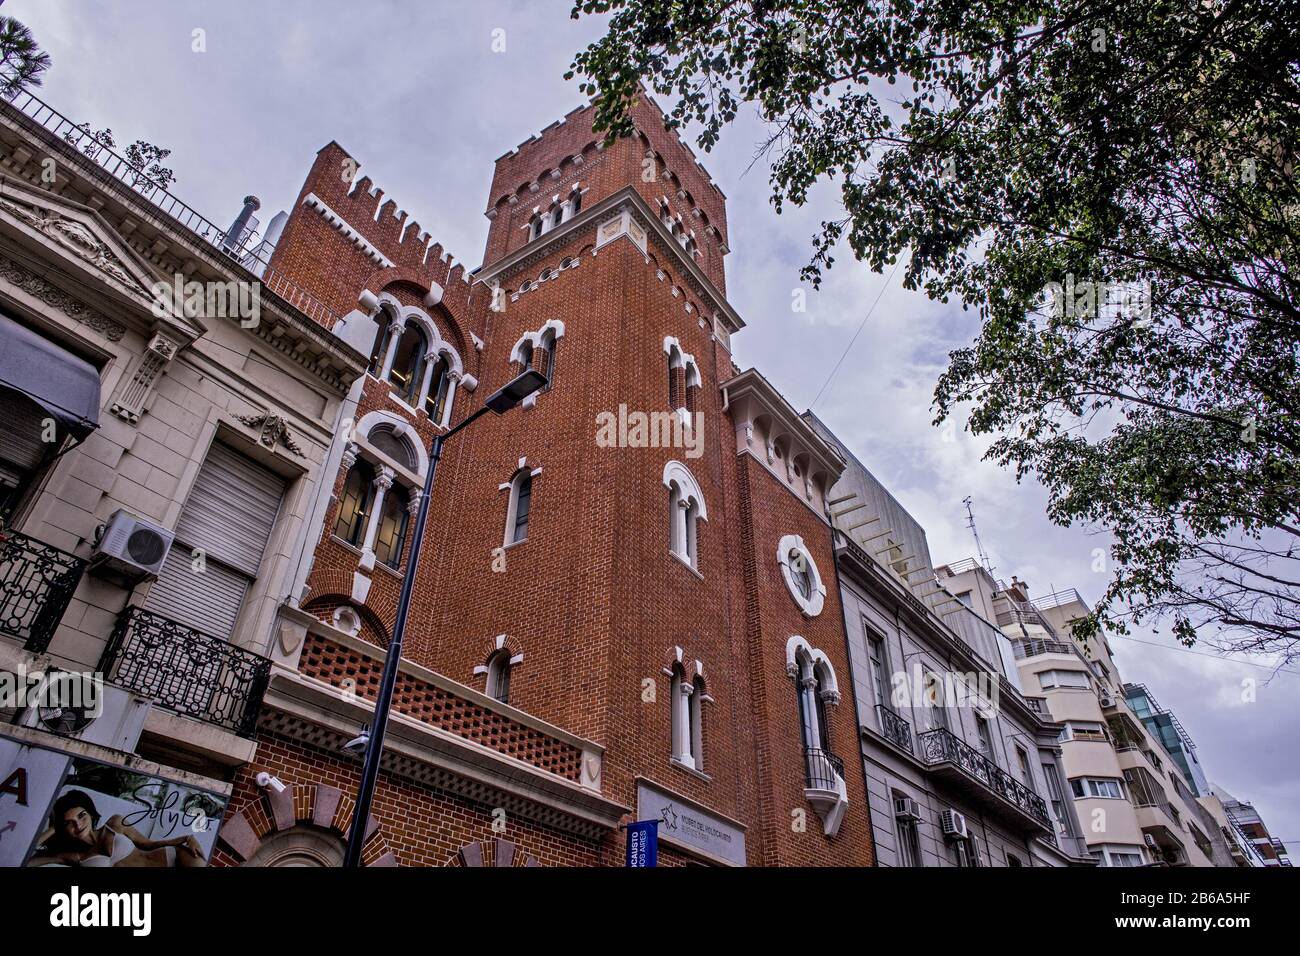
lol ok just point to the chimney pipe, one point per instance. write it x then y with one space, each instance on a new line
235 235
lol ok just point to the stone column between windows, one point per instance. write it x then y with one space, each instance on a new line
812 732
430 362
681 543
395 330
383 481
683 705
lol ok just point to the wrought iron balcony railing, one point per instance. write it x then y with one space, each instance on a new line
824 769
942 746
894 728
186 671
36 584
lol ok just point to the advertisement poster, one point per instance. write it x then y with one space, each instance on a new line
62 811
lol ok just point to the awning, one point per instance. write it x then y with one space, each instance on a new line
61 383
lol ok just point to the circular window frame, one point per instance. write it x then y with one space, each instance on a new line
793 545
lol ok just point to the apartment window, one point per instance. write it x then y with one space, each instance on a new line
227 520
1075 680
354 506
498 676
1054 794
964 597
985 736
1013 860
909 840
935 700
876 656
1022 761
1083 730
521 500
1106 788
1118 854
965 852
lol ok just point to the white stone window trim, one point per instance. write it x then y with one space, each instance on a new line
406 432
683 537
792 543
512 487
548 337
385 475
688 690
812 671
435 347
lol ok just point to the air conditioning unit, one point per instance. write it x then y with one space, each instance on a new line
118 726
1150 841
954 825
1107 700
905 808
131 547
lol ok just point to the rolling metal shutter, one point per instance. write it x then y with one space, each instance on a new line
229 516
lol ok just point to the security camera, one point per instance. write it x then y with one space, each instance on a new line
265 780
357 745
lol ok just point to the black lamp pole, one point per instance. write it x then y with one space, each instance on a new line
505 398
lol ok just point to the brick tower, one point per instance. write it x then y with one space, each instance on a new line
621 590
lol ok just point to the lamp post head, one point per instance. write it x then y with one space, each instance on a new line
516 390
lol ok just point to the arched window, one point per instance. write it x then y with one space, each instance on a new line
498 676
354 506
391 537
575 203
685 509
384 320
557 216
549 342
408 363
385 440
435 402
525 354
535 229
521 499
688 735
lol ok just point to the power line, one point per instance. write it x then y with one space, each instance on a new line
1217 657
861 326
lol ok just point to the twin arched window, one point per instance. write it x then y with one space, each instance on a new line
683 379
374 508
687 724
421 374
536 350
685 510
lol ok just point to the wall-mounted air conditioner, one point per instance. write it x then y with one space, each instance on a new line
905 808
954 825
118 724
131 547
1107 699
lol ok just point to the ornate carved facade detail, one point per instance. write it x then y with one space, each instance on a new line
134 392
51 295
273 430
76 238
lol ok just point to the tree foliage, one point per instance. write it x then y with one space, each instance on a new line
1111 187
22 61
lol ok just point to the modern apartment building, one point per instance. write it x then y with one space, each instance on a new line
962 768
1246 825
1134 802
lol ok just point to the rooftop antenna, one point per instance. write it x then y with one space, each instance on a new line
970 523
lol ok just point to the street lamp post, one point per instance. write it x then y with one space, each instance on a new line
502 400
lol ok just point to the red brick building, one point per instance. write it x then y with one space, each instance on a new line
626 605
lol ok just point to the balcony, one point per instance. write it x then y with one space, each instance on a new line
824 769
186 671
1032 648
894 728
36 584
949 756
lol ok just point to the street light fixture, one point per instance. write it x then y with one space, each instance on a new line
500 401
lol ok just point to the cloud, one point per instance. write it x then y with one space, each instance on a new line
417 94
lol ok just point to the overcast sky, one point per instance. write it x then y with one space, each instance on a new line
414 91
